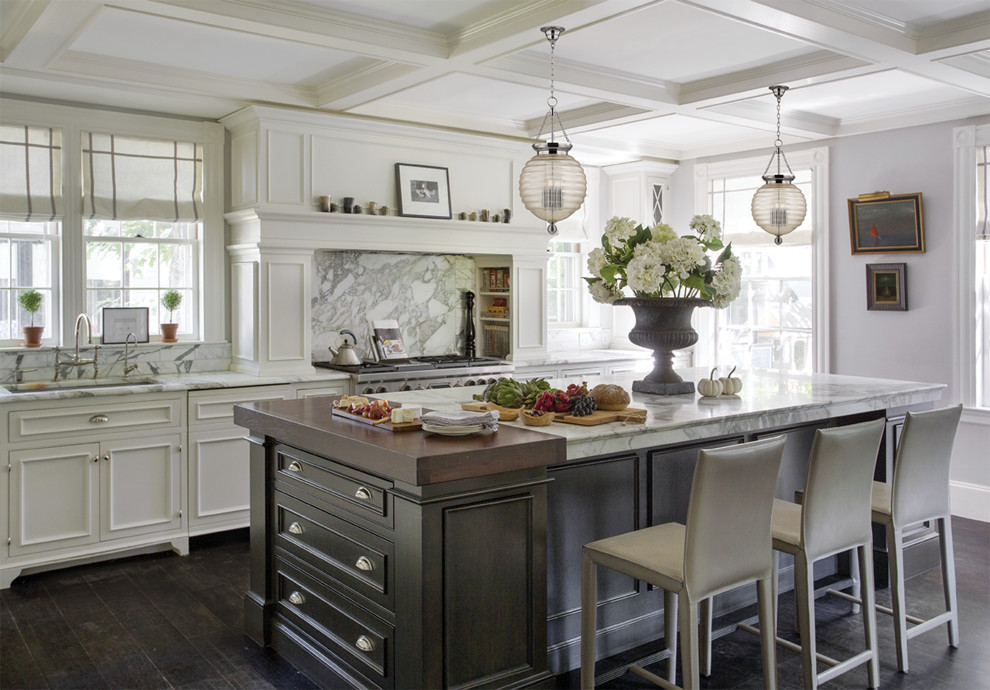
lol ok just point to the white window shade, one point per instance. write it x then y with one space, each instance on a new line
30 173
130 178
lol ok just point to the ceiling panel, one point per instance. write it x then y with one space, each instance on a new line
917 13
125 35
441 16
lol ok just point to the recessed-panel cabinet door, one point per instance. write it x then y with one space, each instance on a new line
142 486
54 498
218 463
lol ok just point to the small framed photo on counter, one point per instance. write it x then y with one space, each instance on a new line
886 287
423 191
119 322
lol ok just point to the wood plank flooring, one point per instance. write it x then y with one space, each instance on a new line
161 621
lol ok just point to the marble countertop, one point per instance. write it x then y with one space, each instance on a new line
76 388
583 356
767 400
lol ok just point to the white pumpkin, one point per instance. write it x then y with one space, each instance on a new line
710 387
731 385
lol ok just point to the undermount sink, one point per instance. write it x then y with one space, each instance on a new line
77 384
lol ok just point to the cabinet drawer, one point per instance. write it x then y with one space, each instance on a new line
345 630
94 417
210 407
354 557
334 486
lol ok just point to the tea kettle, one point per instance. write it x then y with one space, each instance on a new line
346 356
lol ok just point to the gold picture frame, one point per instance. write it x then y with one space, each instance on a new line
884 223
886 287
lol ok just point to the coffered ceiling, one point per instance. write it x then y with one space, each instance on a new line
664 78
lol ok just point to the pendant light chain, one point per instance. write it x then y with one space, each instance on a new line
553 33
778 143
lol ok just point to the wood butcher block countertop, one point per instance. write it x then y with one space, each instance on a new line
414 457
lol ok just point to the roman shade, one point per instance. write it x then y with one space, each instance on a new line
30 173
131 178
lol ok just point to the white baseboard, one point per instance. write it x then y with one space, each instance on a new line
970 500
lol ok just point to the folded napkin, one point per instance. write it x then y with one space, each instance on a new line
489 419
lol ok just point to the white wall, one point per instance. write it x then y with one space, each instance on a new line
916 345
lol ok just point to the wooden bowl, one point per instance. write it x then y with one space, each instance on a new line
505 414
543 420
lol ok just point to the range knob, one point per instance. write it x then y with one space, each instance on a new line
382 389
406 387
368 389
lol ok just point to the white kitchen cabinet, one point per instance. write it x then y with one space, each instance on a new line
93 476
218 457
342 387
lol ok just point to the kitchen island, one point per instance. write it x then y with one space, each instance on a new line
452 594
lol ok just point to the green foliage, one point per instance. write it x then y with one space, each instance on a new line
171 301
30 302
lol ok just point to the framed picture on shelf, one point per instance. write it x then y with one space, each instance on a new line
886 287
423 191
119 322
882 223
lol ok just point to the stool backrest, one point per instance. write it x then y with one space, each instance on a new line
839 487
920 488
728 530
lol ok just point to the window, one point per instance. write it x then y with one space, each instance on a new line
564 284
982 279
30 212
777 322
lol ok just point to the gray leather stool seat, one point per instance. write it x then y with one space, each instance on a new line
724 543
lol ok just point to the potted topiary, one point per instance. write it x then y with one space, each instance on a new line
171 301
30 302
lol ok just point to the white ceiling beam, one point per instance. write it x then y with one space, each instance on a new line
16 19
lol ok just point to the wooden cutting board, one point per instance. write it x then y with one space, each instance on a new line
631 414
388 426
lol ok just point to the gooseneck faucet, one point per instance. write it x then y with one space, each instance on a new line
77 360
128 368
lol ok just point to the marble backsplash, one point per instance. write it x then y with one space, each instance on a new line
152 359
423 292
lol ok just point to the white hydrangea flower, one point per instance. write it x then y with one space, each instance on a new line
663 233
645 273
727 283
603 293
618 230
682 255
706 227
596 262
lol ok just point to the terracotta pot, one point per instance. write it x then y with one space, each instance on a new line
663 325
32 336
168 332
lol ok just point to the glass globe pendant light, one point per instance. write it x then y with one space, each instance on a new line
778 206
552 185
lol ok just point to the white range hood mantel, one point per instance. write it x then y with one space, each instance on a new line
269 230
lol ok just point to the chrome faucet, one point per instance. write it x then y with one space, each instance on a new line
128 368
77 360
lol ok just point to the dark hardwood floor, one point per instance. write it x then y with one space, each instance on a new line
160 621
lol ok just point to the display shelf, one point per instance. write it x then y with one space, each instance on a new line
495 295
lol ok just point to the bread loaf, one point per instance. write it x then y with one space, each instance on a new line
609 396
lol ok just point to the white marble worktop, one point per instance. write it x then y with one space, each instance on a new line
767 400
582 357
76 388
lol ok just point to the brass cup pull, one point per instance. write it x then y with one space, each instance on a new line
363 494
364 563
365 644
297 598
296 528
294 467
99 419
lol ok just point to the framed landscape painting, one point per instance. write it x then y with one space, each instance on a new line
886 287
882 223
423 191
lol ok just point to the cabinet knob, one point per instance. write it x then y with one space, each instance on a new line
365 644
294 467
297 598
106 458
96 458
363 494
364 563
296 528
99 419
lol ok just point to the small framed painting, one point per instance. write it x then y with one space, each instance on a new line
423 191
882 223
119 322
886 287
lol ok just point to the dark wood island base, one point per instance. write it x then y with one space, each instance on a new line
398 560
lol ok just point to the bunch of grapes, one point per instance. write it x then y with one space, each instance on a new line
583 405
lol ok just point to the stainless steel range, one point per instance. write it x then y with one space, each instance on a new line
420 373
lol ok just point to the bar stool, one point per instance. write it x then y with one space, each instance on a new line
724 543
833 518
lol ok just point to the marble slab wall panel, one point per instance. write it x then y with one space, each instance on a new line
423 292
153 359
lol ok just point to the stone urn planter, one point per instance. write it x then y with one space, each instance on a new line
663 325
